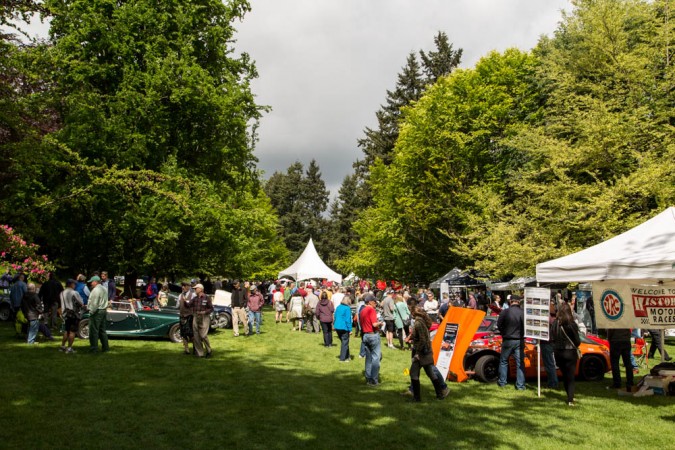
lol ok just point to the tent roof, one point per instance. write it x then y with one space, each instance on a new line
454 273
310 265
646 252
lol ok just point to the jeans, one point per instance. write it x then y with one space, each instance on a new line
327 328
371 342
344 344
515 347
33 327
254 316
549 364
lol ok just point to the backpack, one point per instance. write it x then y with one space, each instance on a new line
148 291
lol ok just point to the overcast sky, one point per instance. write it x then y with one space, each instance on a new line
325 65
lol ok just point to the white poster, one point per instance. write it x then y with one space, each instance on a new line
634 305
537 310
447 349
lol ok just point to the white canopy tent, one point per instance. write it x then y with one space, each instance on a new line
309 265
644 253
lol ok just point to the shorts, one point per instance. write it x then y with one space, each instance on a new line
71 325
389 326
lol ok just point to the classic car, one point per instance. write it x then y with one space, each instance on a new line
128 318
482 357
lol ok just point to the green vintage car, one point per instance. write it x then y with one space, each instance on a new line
128 318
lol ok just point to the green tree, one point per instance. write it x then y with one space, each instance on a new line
151 169
442 61
450 143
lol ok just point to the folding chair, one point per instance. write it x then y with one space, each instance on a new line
639 351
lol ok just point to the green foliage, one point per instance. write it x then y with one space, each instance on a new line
528 157
148 164
448 145
300 198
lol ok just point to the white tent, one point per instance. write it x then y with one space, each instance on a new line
309 265
646 252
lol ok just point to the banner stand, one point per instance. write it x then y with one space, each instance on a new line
538 369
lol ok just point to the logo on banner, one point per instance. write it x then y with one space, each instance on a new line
612 305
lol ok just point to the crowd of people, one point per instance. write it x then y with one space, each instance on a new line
401 314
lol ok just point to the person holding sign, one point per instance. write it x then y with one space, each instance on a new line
566 344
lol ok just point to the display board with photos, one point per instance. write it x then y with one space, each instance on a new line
537 310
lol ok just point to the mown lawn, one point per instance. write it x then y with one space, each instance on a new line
283 389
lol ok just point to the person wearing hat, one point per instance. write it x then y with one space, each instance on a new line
201 321
511 325
255 304
98 303
239 303
371 340
71 311
185 312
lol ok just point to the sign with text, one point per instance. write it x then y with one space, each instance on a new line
633 305
537 309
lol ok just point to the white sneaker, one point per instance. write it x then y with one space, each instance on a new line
70 350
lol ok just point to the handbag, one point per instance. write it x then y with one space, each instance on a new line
406 321
568 338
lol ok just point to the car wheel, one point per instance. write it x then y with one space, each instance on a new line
224 320
592 368
83 329
5 312
174 333
487 368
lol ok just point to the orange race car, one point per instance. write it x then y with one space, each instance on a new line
482 357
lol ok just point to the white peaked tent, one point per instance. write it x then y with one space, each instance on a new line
309 265
646 252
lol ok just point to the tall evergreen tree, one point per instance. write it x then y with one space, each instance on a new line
442 61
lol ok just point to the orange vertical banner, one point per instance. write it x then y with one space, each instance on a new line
467 322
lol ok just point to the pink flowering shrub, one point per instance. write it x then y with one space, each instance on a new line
16 253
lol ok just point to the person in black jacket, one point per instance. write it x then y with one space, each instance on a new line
511 325
565 335
31 306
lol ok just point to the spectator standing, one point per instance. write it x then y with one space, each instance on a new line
565 343
151 292
656 345
288 293
31 306
255 304
110 285
324 312
547 351
311 301
512 327
17 291
279 304
388 317
239 302
98 304
431 307
371 340
82 289
49 294
423 356
402 320
71 311
162 296
472 302
186 318
201 321
337 297
620 347
343 327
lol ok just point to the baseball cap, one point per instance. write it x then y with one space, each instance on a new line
199 285
516 298
369 297
94 278
70 281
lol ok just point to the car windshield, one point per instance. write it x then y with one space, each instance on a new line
487 324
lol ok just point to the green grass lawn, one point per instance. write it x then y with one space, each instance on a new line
283 389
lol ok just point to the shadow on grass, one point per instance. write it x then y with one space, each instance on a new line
147 394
